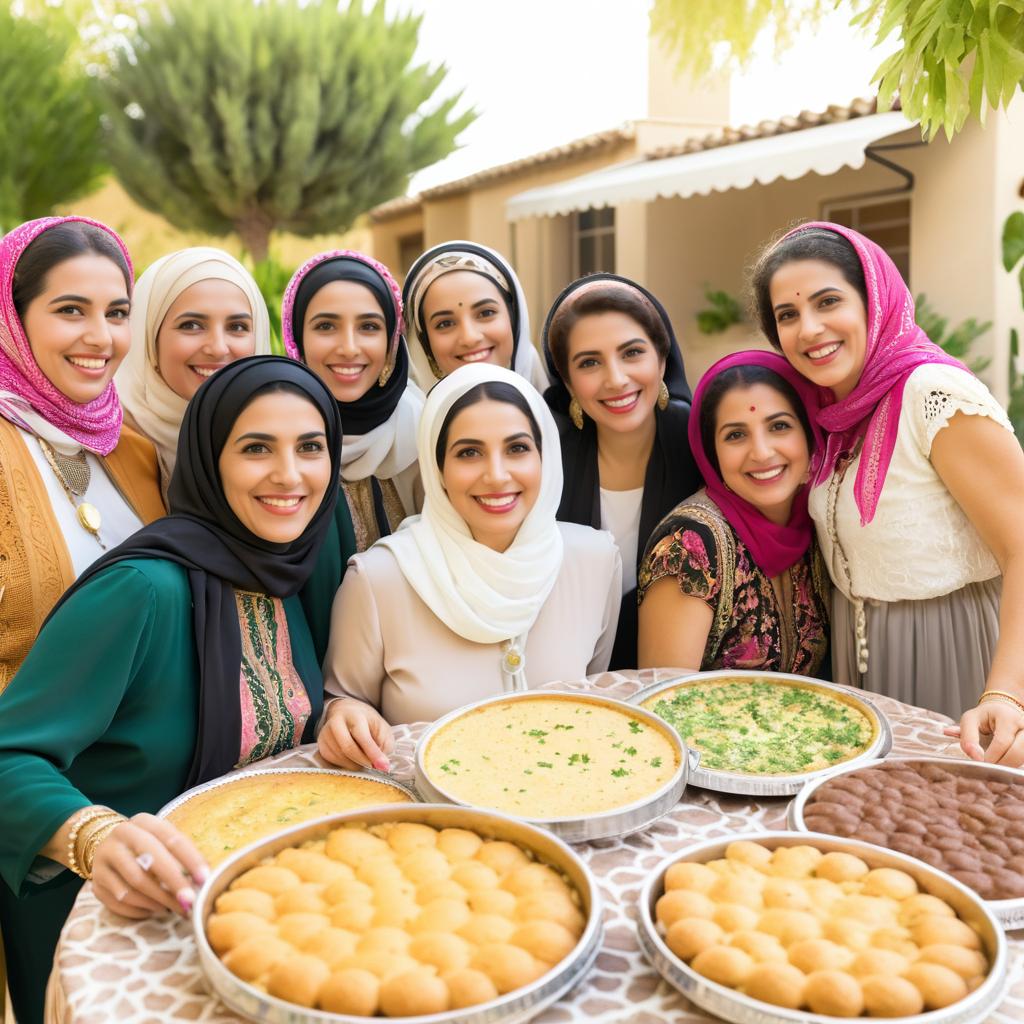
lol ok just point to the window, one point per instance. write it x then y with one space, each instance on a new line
409 248
885 220
593 241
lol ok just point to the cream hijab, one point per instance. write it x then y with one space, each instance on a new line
482 595
155 410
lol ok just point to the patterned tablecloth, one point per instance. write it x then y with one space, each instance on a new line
108 968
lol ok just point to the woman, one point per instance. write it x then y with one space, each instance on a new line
193 312
73 481
208 664
466 305
484 592
918 499
732 577
623 405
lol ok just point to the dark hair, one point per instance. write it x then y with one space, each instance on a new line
812 244
610 298
744 377
496 391
274 387
55 245
510 307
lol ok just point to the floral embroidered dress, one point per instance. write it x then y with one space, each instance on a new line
756 625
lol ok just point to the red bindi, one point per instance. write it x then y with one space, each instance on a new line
752 409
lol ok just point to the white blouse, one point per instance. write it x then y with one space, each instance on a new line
620 516
919 544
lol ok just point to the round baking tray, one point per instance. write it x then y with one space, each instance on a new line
618 821
514 1008
1009 913
731 1005
774 785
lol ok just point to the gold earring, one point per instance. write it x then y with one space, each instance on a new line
385 375
434 368
576 413
663 396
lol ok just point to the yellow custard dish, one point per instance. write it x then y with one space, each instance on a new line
550 758
225 818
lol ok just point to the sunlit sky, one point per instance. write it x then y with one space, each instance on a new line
544 72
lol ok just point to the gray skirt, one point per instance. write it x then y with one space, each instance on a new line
934 654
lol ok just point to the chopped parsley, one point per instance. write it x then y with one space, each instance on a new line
620 772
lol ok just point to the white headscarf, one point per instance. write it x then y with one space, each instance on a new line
156 409
461 255
482 595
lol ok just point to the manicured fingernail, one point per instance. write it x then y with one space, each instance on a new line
185 898
202 873
382 764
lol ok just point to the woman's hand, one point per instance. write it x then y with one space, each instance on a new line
124 884
999 720
355 736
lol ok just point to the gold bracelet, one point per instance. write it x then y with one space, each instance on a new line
1002 695
92 844
97 824
86 815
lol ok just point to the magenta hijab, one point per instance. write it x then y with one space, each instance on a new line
26 393
773 547
896 346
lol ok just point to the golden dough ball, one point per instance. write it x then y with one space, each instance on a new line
249 901
425 864
469 987
416 992
355 917
740 869
855 935
790 926
492 901
375 873
332 945
225 931
923 905
354 845
819 955
298 929
532 878
966 962
501 857
443 950
256 956
930 931
298 979
730 889
347 890
441 889
474 875
688 875
458 844
973 983
406 836
383 965
441 916
873 910
508 966
725 964
546 940
551 907
720 866
795 861
834 993
765 949
896 938
306 899
878 962
680 903
312 867
384 940
778 984
888 996
938 985
840 867
394 910
692 935
483 928
787 893
754 854
897 885
267 878
353 992
735 918
822 893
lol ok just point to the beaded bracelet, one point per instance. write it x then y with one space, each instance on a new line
1004 696
92 843
85 816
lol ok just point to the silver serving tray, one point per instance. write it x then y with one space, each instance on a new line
773 785
1009 913
514 1008
731 1005
619 821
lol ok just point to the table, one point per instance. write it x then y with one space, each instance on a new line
108 968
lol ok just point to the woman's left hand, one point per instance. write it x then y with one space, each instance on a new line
999 720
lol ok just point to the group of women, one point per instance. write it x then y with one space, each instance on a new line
209 554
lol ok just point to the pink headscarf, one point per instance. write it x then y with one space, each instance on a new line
27 397
896 346
773 547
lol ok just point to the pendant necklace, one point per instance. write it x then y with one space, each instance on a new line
73 473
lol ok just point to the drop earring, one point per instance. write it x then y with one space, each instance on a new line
432 363
385 375
663 395
576 413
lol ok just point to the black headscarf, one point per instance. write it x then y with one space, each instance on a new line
203 535
671 472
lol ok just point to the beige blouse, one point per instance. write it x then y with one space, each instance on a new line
388 649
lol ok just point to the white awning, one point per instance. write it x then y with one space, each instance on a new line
824 150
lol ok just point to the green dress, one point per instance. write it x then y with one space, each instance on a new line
104 711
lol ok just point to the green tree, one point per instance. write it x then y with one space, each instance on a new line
51 147
956 58
283 115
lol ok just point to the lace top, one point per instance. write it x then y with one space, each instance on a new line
920 543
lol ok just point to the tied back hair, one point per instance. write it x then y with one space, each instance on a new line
495 391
